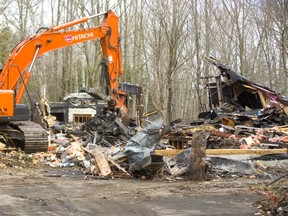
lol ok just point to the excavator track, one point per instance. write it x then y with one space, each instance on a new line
36 138
28 136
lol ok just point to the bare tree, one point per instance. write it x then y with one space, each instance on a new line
163 45
277 13
171 18
4 4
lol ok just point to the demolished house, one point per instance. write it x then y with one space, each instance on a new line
247 124
244 135
242 113
242 118
232 93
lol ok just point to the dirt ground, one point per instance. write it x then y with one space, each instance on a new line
50 191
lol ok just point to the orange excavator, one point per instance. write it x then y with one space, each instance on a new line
14 116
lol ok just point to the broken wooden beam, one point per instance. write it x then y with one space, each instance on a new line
171 153
102 164
119 167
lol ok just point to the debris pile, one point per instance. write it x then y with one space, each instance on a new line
106 130
239 136
246 114
108 148
274 199
251 166
15 159
271 141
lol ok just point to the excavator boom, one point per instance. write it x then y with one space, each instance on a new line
56 37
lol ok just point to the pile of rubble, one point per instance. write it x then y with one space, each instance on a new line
239 131
105 147
235 135
15 159
274 199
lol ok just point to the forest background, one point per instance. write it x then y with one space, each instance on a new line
163 46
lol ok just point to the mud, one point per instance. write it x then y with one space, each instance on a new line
43 191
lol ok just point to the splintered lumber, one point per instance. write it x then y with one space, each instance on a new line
197 165
107 165
102 163
119 167
171 153
74 137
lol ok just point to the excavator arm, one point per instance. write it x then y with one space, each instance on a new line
15 76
